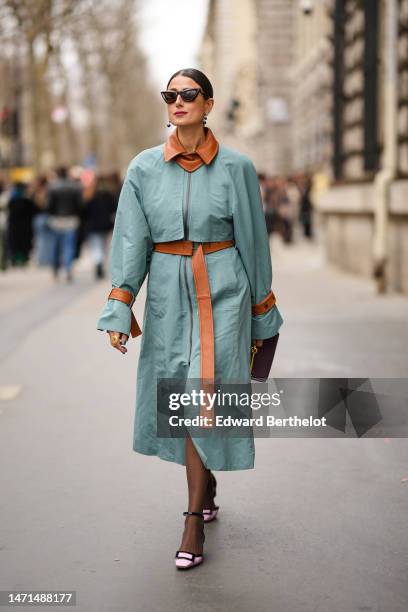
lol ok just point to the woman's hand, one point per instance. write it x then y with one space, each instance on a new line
257 342
118 341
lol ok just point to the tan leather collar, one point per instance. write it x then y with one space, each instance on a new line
204 153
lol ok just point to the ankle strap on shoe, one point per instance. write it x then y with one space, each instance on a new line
194 513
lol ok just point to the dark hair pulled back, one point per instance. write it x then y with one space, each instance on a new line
199 77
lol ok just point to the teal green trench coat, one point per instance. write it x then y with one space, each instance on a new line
160 202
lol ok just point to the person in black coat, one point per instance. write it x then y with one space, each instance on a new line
64 207
21 211
306 209
99 217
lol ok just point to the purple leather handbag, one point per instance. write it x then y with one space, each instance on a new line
262 358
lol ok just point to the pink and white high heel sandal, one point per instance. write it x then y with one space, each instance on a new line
185 559
210 514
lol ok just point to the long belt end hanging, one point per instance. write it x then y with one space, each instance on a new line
207 357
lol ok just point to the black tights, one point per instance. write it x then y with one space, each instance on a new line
198 478
199 497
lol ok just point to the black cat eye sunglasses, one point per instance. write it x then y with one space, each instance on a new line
188 95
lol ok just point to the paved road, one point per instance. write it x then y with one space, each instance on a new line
318 526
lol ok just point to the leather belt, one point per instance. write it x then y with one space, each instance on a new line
203 295
196 250
264 304
122 295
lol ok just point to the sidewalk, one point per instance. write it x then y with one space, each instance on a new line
335 325
20 285
30 297
82 511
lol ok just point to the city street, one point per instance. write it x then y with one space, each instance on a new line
318 526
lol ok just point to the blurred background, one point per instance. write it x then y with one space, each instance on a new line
316 93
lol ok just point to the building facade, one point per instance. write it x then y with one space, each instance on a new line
365 209
322 86
247 51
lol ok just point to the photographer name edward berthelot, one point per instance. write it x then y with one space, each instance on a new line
259 421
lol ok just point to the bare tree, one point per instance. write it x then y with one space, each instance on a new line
35 23
116 92
123 106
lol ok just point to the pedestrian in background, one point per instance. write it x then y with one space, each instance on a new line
284 210
306 209
64 207
99 214
293 192
21 212
86 181
115 183
266 192
42 232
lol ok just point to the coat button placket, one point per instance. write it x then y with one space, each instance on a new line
186 204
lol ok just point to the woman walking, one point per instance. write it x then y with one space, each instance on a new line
190 217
